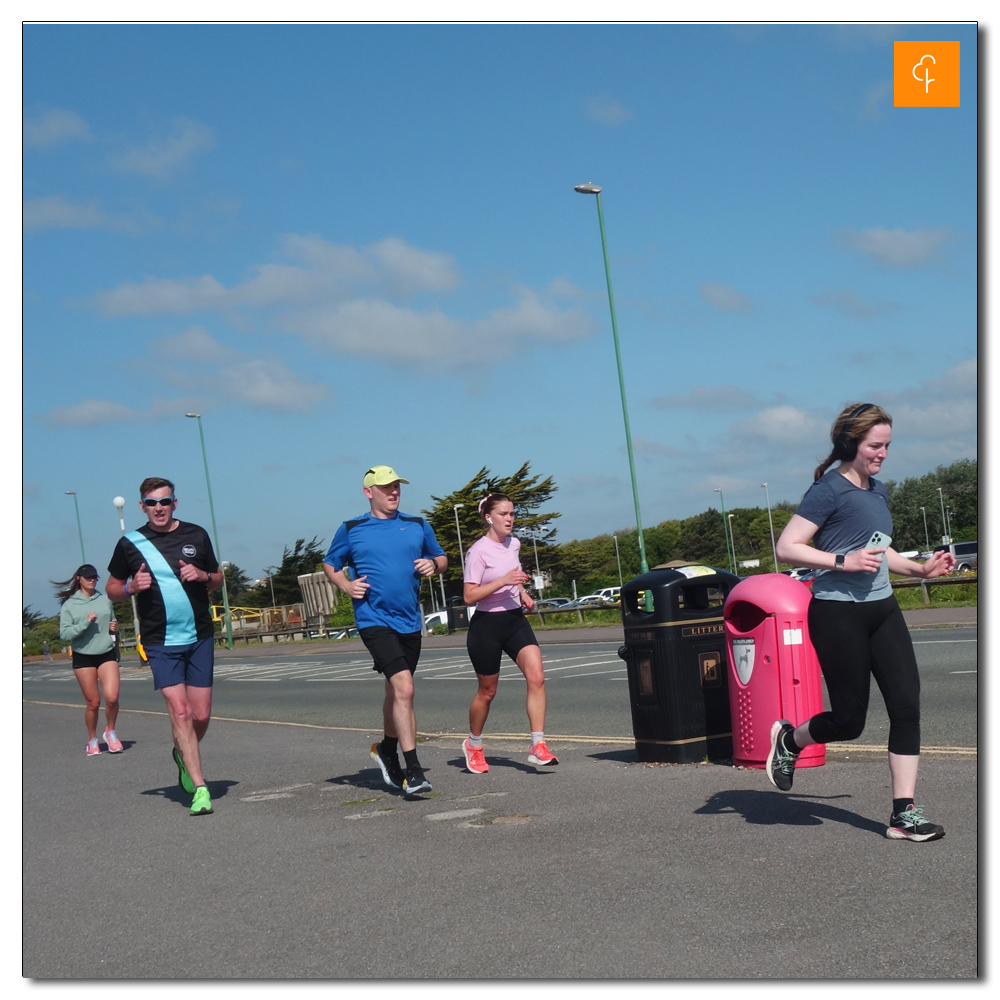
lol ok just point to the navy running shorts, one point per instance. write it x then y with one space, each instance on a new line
192 664
492 633
392 651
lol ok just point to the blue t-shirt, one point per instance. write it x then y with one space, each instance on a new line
847 517
383 550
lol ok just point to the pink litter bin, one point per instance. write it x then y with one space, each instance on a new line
773 669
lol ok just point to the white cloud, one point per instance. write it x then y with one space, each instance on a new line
210 372
325 272
161 158
853 306
725 297
607 111
57 212
378 329
354 302
941 409
897 247
52 128
779 426
91 412
646 448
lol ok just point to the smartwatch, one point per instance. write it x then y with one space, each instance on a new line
839 564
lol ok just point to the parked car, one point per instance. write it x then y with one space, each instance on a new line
966 555
346 633
612 594
552 603
436 618
800 573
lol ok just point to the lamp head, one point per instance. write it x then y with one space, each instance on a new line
119 502
717 490
70 493
192 414
588 188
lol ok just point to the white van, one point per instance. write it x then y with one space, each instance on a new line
609 593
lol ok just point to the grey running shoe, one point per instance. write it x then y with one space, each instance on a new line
780 765
392 773
415 781
911 825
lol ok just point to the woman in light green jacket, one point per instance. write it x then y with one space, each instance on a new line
87 622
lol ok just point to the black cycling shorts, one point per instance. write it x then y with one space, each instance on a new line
494 632
94 659
392 651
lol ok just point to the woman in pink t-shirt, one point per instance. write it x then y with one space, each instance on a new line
494 583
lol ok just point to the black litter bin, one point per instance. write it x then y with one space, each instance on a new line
458 619
676 658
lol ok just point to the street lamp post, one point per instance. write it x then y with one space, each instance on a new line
621 583
79 530
119 502
946 539
458 528
270 580
594 189
774 548
927 538
215 531
725 534
732 538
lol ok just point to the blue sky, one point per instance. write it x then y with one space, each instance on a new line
346 245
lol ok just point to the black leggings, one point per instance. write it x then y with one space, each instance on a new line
855 640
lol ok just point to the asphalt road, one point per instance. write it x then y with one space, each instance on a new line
600 868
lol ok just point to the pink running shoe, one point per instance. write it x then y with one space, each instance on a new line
540 755
114 744
92 747
475 759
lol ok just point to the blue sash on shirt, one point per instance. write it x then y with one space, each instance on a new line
180 628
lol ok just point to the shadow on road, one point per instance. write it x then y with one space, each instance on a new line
764 808
174 793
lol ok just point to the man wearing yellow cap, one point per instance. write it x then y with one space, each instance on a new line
388 552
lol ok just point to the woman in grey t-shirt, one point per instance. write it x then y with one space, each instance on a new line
855 623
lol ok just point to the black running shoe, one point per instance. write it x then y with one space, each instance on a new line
911 825
415 782
780 765
392 773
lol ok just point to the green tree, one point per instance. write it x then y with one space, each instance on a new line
959 483
526 492
303 558
237 587
29 618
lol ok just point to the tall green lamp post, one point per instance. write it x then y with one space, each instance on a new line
79 530
725 534
594 189
215 533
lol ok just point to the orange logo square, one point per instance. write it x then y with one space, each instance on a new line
925 74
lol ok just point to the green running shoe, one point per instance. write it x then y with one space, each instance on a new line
202 804
183 778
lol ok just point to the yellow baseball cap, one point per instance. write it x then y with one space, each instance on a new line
382 475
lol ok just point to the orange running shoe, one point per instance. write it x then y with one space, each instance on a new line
475 759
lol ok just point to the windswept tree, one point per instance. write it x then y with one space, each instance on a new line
527 492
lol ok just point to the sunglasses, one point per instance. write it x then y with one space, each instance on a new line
162 501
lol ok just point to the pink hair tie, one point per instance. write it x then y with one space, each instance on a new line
483 501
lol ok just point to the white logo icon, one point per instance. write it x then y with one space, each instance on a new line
189 550
743 653
926 79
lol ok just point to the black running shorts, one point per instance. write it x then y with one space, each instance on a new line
494 632
94 659
393 652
